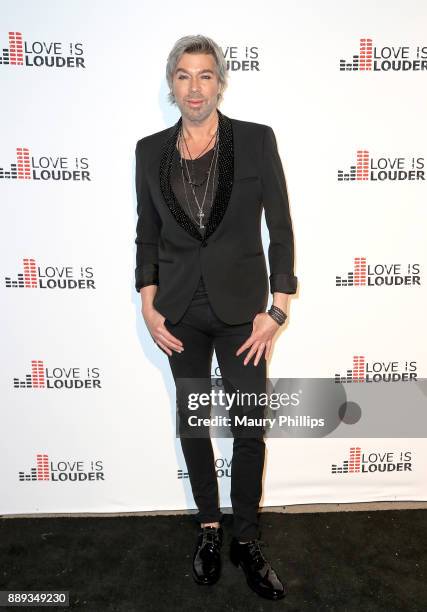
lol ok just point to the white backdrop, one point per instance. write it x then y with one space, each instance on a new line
87 398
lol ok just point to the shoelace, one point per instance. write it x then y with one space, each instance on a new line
254 547
210 537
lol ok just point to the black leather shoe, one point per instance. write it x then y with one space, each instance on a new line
206 558
260 576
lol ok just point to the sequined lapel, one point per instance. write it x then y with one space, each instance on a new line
225 178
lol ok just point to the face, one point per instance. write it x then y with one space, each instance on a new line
196 86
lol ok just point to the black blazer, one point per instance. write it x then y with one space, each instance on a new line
171 252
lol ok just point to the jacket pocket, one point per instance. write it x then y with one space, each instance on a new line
163 260
246 179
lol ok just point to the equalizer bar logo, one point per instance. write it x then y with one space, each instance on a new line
27 279
356 374
359 172
350 465
356 277
385 58
40 472
361 61
14 54
35 379
21 169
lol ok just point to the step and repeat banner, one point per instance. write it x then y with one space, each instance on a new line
88 400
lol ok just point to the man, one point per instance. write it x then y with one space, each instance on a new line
201 272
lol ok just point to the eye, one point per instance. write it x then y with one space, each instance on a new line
182 76
206 76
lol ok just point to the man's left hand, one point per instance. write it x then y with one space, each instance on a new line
263 330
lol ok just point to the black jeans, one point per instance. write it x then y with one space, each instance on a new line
201 331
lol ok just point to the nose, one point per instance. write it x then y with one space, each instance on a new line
194 86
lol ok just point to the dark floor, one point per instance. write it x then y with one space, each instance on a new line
341 561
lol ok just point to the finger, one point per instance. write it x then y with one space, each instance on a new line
259 353
170 343
245 345
167 335
267 350
165 348
251 352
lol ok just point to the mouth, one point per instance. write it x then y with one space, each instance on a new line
195 102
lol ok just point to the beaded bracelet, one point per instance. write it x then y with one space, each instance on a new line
277 314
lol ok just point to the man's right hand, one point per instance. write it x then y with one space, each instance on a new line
154 321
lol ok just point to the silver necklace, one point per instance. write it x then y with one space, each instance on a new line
188 150
200 214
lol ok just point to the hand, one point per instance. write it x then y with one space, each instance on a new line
263 330
161 336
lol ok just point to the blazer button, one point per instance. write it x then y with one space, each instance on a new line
204 243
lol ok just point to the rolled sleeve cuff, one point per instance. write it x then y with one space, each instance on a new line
147 275
283 283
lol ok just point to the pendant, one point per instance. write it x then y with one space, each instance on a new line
200 214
